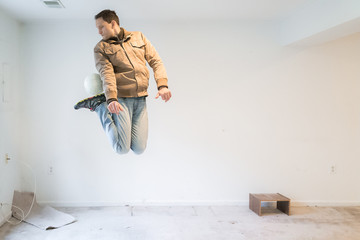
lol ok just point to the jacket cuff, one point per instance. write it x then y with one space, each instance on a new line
162 86
110 100
162 82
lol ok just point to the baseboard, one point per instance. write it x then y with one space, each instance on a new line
325 203
7 217
143 203
194 203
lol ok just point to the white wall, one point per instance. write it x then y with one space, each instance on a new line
320 21
247 115
9 121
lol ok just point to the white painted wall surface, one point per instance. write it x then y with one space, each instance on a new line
320 21
9 116
247 115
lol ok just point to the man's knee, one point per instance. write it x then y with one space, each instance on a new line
138 149
121 150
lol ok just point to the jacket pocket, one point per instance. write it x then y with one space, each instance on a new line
139 49
117 56
113 49
137 44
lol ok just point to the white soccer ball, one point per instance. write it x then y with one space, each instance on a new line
93 84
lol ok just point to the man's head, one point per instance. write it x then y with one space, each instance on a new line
107 22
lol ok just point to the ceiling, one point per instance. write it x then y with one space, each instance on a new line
28 10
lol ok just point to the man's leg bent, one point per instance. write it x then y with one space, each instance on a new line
116 127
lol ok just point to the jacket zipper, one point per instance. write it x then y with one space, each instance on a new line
137 85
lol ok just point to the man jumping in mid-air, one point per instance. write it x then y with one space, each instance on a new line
120 58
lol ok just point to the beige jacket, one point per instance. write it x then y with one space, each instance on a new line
121 63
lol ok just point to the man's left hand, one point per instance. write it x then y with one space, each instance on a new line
164 93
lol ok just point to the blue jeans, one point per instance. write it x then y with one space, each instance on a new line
129 129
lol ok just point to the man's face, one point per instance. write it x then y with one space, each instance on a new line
106 30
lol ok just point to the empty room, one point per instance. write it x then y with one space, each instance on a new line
179 120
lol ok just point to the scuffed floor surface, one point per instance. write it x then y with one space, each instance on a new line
197 223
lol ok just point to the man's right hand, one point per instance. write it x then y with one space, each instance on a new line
115 107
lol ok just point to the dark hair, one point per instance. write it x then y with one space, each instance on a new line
108 15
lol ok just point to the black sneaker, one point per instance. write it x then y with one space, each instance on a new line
91 103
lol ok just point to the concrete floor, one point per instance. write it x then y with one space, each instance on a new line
197 223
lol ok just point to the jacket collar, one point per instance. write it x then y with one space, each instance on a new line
123 36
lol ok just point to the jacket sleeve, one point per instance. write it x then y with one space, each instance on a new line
106 71
155 62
